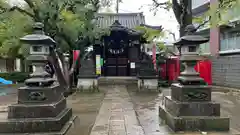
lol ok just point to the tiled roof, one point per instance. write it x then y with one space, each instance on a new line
201 9
129 20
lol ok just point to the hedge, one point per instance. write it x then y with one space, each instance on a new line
15 76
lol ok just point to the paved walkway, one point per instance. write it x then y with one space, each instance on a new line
117 116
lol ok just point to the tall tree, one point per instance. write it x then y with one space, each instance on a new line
69 22
219 13
182 10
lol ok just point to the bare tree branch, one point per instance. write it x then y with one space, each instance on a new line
173 34
2 10
21 11
63 7
34 9
30 3
161 5
204 23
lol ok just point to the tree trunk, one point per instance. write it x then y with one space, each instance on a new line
10 64
183 13
58 70
72 75
186 15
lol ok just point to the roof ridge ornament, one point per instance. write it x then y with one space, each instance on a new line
190 29
116 23
38 28
190 37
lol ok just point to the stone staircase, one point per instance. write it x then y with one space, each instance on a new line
117 80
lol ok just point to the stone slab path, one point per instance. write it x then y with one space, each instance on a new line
116 115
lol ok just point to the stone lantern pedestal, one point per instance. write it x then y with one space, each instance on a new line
147 75
41 106
190 108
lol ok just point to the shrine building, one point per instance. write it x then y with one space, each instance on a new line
119 52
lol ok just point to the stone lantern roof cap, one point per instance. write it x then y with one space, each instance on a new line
38 37
190 38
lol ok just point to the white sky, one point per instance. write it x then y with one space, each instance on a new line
163 17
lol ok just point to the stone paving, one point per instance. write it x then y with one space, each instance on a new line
117 115
129 113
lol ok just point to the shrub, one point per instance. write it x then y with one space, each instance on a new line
15 76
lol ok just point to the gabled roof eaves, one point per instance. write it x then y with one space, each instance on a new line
129 20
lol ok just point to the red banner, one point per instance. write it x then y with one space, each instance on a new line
76 54
154 56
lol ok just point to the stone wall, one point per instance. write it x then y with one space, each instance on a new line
226 71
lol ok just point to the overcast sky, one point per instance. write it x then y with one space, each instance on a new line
163 17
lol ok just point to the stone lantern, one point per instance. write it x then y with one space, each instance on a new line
39 52
189 107
188 46
41 106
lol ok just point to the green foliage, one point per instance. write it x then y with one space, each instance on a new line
150 34
161 46
15 76
69 22
220 13
10 31
156 4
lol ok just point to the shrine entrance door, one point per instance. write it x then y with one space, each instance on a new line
117 48
116 54
116 66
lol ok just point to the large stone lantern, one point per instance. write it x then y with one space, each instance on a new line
41 106
39 52
189 107
188 46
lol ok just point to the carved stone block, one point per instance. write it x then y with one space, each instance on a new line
190 93
39 94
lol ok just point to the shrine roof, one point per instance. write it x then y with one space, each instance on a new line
129 20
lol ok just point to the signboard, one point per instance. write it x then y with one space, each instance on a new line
101 61
98 64
132 65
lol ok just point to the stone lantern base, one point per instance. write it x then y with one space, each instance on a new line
147 83
89 83
50 115
189 108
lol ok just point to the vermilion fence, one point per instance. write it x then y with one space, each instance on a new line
205 70
171 70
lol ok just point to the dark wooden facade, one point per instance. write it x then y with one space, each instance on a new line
119 50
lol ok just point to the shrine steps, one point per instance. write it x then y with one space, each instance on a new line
117 80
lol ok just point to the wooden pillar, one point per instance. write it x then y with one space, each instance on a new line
214 36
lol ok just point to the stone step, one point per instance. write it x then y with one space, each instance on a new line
67 127
36 110
194 123
117 80
35 125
